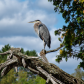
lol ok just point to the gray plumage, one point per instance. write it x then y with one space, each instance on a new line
42 32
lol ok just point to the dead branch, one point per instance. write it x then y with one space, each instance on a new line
54 49
33 70
8 62
49 77
43 56
50 72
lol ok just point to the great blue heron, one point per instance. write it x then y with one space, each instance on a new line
42 32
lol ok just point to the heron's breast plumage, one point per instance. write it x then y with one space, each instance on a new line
36 28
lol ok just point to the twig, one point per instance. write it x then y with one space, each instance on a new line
33 70
47 81
23 62
5 53
19 54
54 49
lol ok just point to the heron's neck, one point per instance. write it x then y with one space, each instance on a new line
36 27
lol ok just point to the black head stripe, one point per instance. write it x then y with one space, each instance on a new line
37 20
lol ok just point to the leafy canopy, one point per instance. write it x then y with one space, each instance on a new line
72 34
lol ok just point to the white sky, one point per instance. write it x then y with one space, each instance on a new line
16 31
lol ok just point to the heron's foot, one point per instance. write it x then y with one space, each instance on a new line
44 51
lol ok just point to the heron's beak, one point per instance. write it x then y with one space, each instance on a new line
32 22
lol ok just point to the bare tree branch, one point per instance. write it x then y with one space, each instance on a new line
43 56
33 70
8 62
51 78
53 50
50 72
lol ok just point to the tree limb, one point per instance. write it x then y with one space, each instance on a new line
48 71
49 77
8 62
33 70
54 49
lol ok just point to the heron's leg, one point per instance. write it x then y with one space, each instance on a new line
44 44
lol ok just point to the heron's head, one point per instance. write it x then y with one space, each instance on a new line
36 21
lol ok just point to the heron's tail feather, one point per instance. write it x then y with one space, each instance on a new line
49 42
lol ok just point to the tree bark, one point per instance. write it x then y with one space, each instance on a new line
48 71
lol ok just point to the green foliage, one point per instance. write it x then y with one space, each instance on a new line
57 32
31 53
22 50
4 49
73 13
9 78
78 73
22 77
37 80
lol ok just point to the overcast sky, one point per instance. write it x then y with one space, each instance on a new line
16 31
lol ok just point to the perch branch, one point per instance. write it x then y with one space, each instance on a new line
43 56
54 50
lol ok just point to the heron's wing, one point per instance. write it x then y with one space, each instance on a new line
44 34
